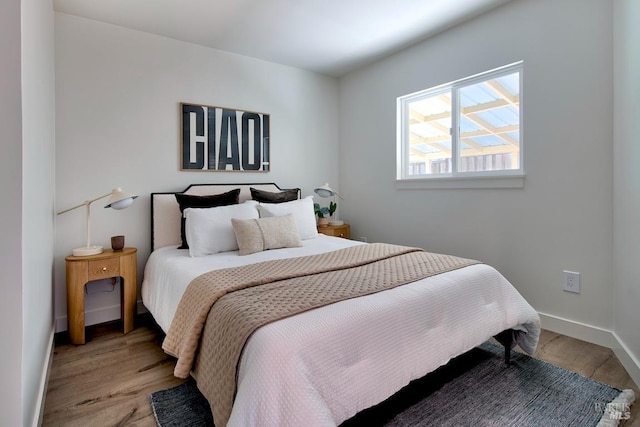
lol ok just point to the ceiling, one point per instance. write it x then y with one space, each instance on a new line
327 36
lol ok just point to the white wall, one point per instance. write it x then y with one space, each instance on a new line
562 218
626 177
117 115
26 179
38 177
11 214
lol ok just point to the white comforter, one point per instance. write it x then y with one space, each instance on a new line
321 367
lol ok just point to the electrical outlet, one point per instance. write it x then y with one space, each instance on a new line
571 281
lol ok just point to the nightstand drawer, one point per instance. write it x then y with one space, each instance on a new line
104 268
336 230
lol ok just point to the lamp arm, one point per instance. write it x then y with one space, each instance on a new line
85 203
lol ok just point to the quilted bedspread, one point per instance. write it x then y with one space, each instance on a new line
223 308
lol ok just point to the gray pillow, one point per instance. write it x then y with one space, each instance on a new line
271 197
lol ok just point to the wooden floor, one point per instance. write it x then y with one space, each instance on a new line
107 381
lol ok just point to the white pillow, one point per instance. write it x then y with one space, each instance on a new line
257 235
302 211
209 230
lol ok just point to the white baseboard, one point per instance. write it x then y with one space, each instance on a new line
44 382
581 331
101 315
93 317
594 335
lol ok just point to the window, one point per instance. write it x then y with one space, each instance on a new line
467 128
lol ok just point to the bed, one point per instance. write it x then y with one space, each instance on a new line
323 365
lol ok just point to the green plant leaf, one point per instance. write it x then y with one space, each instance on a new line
332 207
320 211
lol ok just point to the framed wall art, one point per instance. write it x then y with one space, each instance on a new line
219 139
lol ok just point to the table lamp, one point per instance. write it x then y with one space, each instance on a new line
326 191
119 200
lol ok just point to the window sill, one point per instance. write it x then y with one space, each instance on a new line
444 183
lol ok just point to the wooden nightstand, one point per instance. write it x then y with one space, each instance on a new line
343 230
83 269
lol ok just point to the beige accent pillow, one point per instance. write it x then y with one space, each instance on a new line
257 235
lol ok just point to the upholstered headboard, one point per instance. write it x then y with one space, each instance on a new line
165 212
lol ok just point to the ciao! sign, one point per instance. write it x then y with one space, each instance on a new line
222 139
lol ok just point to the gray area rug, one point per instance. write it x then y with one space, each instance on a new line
475 389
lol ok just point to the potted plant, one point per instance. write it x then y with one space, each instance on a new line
323 213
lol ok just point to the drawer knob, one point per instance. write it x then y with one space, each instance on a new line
104 268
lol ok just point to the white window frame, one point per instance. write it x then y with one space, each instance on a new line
513 178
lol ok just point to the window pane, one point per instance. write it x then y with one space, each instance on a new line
490 125
465 128
429 134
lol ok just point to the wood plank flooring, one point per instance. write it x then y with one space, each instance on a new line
107 381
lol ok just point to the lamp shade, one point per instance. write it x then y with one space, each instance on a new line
120 199
325 190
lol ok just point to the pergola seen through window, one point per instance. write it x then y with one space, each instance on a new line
468 127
